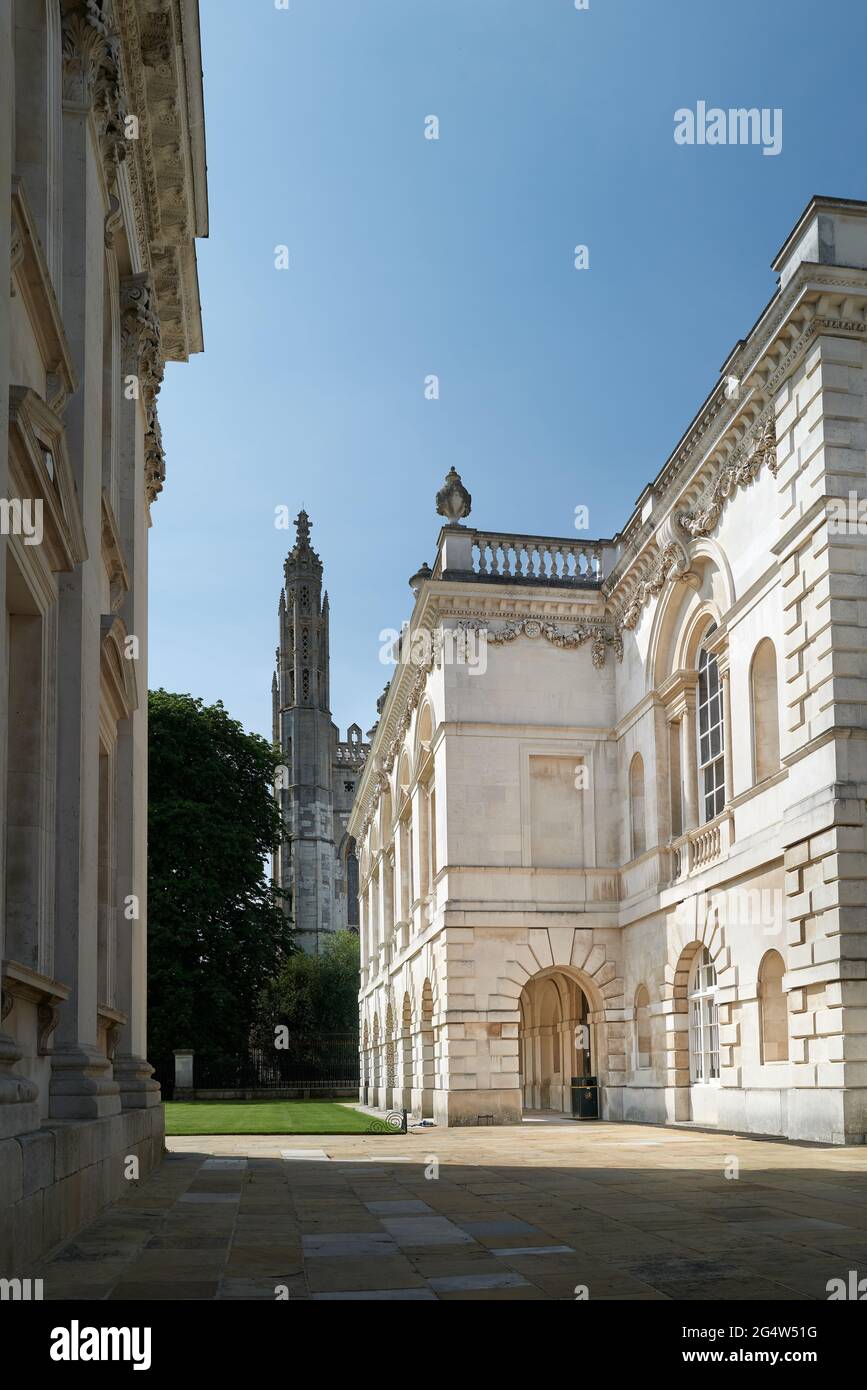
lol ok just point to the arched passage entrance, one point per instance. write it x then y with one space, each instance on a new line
555 1040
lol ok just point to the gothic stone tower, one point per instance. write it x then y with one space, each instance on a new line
315 865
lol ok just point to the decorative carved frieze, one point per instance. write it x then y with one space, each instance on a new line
538 627
760 448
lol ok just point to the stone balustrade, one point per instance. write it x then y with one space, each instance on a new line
699 848
538 559
351 754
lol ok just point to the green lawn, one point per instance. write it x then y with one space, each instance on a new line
264 1117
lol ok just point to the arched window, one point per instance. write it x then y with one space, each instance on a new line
703 1020
711 735
773 1009
642 1028
765 710
636 806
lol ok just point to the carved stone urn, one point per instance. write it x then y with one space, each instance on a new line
419 577
453 500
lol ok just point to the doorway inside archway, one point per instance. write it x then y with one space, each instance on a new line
555 1041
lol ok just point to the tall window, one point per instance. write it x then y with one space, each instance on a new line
703 1020
765 709
636 805
642 1027
351 884
711 735
773 1009
432 829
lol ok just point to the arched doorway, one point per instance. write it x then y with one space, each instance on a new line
555 1040
694 1038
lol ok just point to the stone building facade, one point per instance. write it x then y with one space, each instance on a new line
623 835
102 182
315 866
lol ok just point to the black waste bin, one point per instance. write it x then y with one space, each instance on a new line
585 1098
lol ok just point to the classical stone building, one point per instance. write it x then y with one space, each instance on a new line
315 866
612 822
102 182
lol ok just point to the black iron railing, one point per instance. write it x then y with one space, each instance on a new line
313 1062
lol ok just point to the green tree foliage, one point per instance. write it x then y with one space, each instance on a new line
313 994
216 927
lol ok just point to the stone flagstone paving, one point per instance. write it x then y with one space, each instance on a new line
520 1212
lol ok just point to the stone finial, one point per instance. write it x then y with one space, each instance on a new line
302 528
453 500
416 581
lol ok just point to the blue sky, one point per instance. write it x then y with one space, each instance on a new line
410 256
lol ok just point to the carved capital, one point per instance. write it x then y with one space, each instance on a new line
91 75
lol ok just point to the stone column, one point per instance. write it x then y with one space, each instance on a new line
19 1110
388 914
141 359
373 919
689 763
81 1083
364 948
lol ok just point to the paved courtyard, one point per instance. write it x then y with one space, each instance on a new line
530 1212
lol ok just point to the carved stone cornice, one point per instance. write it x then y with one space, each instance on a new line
166 162
816 300
759 448
670 564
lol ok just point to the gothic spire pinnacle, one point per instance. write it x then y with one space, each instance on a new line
302 558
